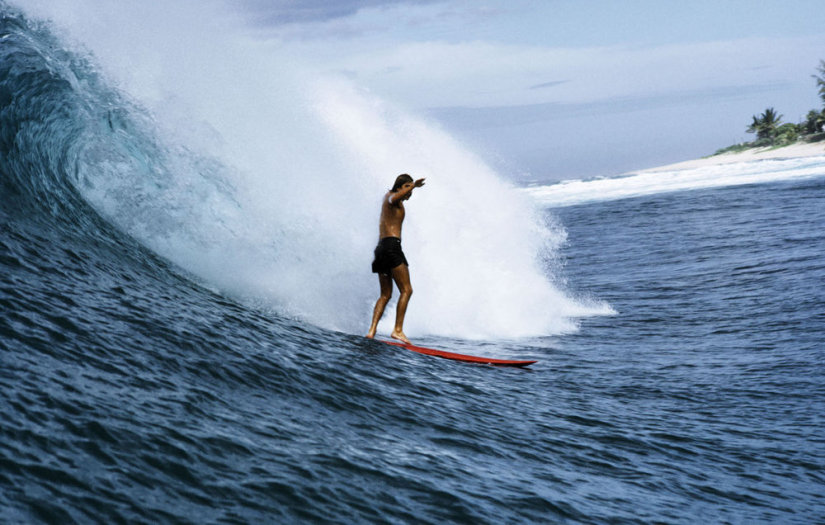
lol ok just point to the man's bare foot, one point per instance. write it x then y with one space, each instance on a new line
397 334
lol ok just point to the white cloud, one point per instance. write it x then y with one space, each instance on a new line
480 73
267 12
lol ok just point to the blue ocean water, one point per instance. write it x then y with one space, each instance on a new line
131 391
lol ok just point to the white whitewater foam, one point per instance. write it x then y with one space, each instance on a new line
573 192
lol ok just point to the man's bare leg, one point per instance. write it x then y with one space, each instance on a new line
401 276
386 292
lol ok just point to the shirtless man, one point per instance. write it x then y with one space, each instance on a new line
390 263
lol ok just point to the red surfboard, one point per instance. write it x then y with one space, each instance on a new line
460 357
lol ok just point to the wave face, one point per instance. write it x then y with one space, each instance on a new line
220 154
574 192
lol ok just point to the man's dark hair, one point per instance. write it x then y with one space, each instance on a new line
400 181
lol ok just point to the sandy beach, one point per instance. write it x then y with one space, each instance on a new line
794 150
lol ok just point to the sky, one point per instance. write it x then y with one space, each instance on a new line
567 89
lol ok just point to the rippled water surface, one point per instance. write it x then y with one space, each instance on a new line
131 394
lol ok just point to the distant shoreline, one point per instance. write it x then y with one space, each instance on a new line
813 149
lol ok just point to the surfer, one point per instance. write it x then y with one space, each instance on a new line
390 263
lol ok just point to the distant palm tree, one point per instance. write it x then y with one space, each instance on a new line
820 79
814 122
765 125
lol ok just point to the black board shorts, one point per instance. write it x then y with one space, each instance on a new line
388 255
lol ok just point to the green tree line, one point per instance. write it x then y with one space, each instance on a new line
771 131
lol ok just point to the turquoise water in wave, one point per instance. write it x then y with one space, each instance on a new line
132 391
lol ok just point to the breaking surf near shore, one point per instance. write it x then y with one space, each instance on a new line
759 165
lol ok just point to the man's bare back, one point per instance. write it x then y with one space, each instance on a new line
392 216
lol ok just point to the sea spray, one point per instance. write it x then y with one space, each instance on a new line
475 244
265 181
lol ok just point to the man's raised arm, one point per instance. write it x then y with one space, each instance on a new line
405 191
